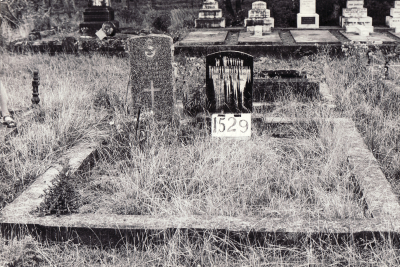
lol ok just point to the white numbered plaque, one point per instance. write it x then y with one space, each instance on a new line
231 125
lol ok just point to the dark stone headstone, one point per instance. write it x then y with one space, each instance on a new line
274 84
95 15
151 81
229 81
282 74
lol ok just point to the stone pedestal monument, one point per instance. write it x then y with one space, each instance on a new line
259 21
307 18
355 18
210 16
393 21
98 12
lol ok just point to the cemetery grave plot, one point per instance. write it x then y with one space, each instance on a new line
205 38
373 37
366 171
297 170
272 38
310 36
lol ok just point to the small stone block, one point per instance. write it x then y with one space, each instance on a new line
395 12
355 12
310 21
258 30
259 5
355 4
210 23
101 34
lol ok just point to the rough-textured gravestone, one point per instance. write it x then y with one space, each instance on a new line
393 21
98 12
307 18
151 81
355 18
229 81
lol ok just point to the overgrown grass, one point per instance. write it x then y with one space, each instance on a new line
71 85
306 176
68 90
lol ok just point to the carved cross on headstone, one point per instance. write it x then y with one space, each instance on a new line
152 90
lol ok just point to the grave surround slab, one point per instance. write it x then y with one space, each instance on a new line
269 39
312 36
376 37
204 37
113 229
151 81
307 18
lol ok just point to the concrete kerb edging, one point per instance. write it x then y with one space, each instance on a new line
32 197
111 229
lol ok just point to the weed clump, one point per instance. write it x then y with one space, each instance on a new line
62 197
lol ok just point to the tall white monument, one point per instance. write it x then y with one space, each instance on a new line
307 18
393 21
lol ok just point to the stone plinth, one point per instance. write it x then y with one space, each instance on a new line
355 19
307 18
259 21
210 16
393 21
95 15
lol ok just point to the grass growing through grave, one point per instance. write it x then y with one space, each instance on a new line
306 176
358 96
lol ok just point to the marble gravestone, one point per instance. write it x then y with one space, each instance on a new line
307 18
355 18
210 16
98 12
259 21
393 21
151 81
229 82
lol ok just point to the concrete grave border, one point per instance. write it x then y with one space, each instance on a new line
102 230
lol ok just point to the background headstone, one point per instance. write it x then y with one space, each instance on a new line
393 21
307 18
151 81
210 16
259 15
355 19
229 81
98 12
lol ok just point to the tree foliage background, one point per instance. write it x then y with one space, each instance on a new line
43 14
